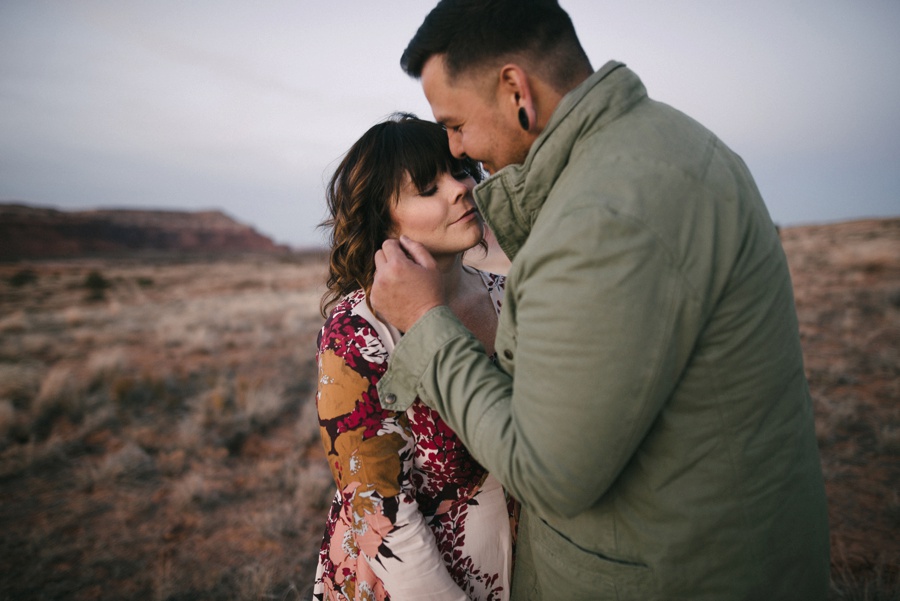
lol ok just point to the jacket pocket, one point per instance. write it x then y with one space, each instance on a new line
565 570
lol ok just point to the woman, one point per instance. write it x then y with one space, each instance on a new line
414 516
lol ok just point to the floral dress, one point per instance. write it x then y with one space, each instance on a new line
414 515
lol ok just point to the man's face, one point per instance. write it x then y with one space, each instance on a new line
481 123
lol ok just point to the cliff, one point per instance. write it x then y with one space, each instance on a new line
28 232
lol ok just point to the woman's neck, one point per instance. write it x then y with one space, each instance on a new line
451 268
469 300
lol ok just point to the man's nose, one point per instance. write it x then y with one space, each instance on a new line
456 146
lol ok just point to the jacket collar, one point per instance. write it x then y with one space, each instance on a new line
511 199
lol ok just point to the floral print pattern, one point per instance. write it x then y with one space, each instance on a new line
411 503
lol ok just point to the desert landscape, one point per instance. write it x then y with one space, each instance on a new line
158 436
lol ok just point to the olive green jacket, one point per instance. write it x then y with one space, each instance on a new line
650 408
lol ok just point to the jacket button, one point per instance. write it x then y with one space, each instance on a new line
390 398
508 354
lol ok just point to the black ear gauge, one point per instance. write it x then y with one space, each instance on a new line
523 118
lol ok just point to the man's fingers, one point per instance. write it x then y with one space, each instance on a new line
392 251
417 252
407 283
390 263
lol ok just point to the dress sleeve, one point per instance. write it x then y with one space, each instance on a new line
370 452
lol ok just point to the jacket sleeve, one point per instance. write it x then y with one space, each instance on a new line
370 451
603 323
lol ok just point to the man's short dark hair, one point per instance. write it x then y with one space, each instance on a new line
473 33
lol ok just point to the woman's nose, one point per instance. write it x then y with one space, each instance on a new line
460 189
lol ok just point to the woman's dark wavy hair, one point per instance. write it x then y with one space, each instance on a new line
367 182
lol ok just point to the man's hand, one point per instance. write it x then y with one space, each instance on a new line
407 283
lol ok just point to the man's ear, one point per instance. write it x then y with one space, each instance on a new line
515 96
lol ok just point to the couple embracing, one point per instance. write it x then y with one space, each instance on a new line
625 414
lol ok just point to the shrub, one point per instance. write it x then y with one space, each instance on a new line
19 383
104 365
878 584
23 277
131 461
263 404
888 437
60 395
96 285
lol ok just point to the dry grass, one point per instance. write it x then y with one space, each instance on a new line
847 286
154 435
161 442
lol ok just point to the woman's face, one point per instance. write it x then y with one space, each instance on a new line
442 217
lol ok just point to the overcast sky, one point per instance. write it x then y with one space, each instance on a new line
247 106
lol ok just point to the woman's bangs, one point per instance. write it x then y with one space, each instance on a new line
425 154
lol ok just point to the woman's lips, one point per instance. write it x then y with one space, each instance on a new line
467 215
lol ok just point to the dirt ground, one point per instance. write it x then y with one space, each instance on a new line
158 437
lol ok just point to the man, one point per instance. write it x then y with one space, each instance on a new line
649 407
